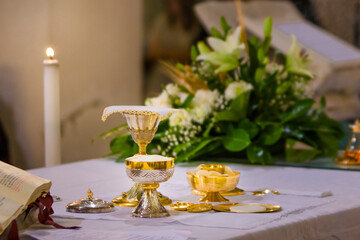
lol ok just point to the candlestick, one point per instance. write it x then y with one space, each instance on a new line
52 110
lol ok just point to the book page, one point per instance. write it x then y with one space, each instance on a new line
9 210
20 185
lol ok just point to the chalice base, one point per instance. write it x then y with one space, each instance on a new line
132 197
149 205
213 197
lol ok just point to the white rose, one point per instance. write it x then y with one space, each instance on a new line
172 89
162 100
202 104
235 89
180 118
204 98
199 114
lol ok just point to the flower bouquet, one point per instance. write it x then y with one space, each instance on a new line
239 99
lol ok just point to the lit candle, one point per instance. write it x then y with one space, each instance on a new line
52 110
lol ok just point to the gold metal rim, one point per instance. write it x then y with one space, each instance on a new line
212 177
137 165
227 207
235 192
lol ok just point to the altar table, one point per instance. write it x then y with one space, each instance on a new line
316 204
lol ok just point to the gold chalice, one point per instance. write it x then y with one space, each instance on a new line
213 185
149 171
143 122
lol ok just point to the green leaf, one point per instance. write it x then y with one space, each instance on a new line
203 48
283 88
254 40
329 144
267 27
323 126
257 154
251 128
194 53
185 145
254 62
209 127
182 88
123 145
224 25
266 44
236 139
187 101
180 67
197 148
117 143
211 149
297 110
261 55
227 115
259 75
239 105
110 132
215 33
268 87
224 61
271 134
293 154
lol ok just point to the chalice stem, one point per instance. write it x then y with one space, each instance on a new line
149 205
142 148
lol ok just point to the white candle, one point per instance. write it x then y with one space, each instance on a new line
52 110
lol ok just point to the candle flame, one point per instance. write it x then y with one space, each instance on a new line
50 52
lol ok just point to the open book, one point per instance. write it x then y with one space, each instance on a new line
17 190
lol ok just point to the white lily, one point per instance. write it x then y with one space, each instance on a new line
230 45
226 53
236 89
298 61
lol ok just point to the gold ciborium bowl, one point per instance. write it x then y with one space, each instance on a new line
149 171
213 185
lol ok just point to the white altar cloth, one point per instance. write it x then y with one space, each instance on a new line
305 214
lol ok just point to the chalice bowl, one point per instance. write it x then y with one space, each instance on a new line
213 179
143 122
149 171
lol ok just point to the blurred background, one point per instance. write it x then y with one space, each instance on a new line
108 52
